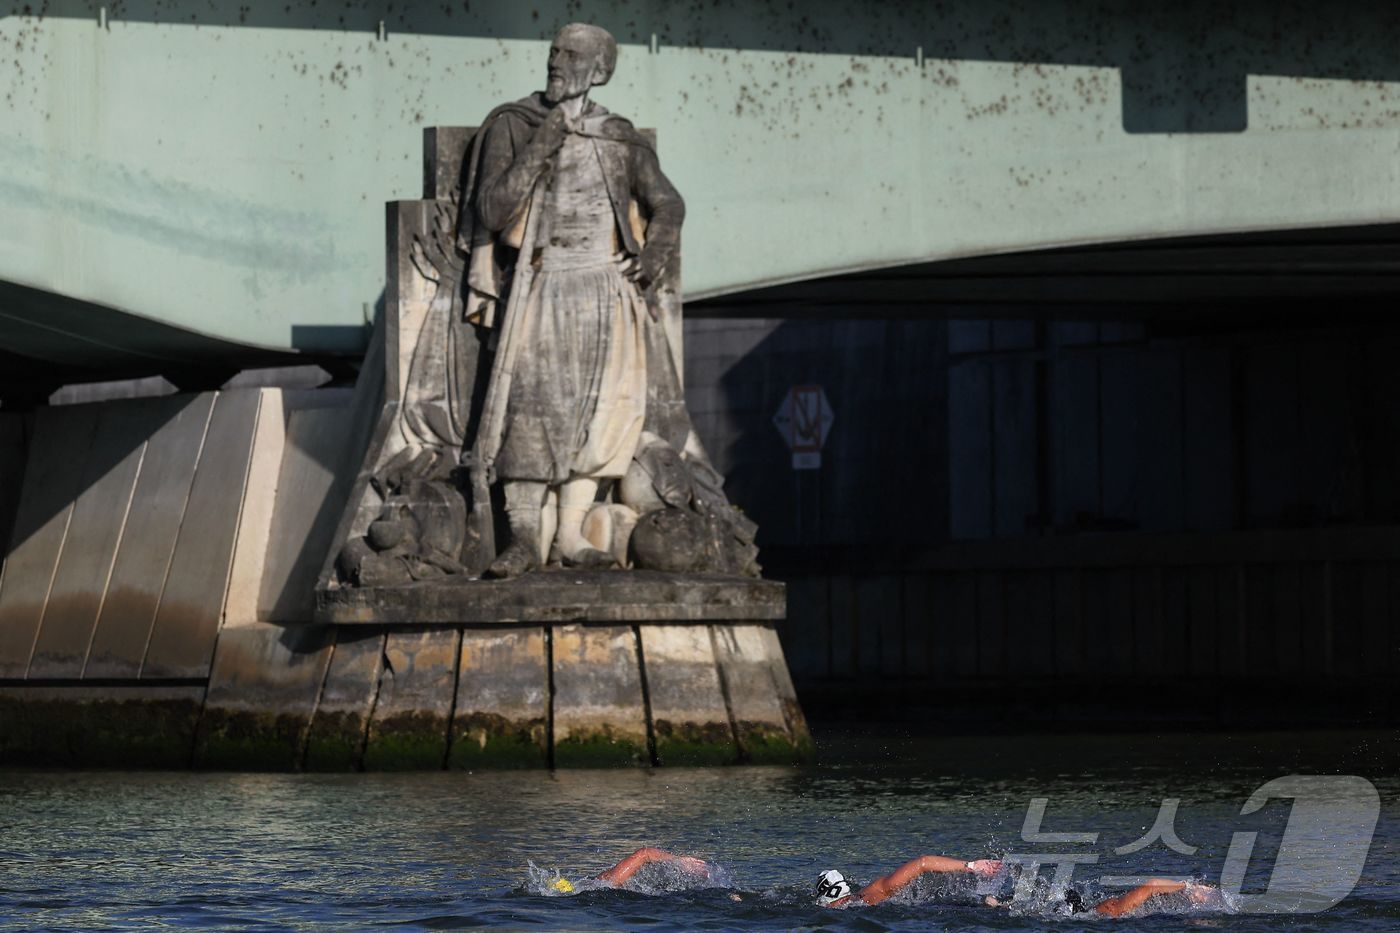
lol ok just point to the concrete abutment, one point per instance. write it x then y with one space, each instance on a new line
188 640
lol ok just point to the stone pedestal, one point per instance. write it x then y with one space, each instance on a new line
571 669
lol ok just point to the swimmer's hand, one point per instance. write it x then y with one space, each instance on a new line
696 866
985 867
1198 893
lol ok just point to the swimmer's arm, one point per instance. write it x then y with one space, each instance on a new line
888 886
625 869
1123 903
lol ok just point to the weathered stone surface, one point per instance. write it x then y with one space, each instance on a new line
747 663
139 726
502 716
599 716
554 596
187 622
690 722
262 694
152 526
337 738
408 729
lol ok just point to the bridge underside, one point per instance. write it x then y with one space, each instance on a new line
1186 280
49 340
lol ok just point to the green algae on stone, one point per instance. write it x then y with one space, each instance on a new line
153 731
485 740
334 742
694 744
797 725
242 740
764 745
413 741
599 748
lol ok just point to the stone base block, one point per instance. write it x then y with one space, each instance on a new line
502 716
768 722
103 727
336 740
689 717
599 715
469 697
408 730
262 695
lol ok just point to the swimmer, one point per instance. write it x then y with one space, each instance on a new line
620 873
1126 903
833 890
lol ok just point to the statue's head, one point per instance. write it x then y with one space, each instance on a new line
581 57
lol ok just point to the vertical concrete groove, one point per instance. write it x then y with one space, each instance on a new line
740 752
452 707
549 703
646 695
53 575
304 740
170 559
359 760
198 721
112 564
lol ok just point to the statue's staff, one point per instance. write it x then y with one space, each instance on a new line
491 431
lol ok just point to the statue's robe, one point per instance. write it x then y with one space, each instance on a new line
589 366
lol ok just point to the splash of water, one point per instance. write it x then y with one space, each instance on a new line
1043 902
654 880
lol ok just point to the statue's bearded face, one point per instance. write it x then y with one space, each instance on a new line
575 65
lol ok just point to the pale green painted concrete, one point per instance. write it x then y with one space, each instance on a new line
231 179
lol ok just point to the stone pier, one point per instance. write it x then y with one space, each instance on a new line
171 593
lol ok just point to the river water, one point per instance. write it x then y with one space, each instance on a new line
445 850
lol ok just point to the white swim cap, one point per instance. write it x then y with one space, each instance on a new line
831 887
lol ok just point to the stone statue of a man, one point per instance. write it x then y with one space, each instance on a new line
568 221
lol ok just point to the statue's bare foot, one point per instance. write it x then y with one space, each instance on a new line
590 558
520 557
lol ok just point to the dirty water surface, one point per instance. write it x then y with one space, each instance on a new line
455 849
